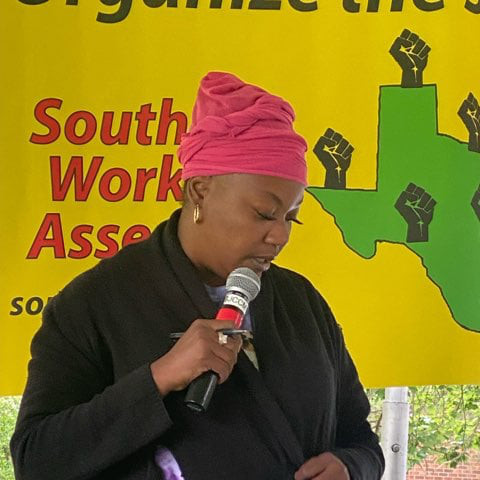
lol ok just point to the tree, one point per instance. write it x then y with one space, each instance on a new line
8 415
444 421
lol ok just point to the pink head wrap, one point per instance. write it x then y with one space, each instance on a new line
241 128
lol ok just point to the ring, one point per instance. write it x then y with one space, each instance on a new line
222 338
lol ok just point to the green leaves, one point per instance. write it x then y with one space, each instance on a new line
444 421
8 416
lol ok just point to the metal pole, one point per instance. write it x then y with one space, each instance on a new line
394 436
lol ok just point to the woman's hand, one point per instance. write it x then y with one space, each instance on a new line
198 350
325 466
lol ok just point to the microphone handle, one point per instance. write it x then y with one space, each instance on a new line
200 391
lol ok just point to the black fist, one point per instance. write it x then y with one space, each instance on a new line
411 53
470 114
416 207
335 153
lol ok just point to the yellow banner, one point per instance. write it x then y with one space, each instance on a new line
95 97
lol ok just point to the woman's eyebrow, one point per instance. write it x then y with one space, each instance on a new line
275 198
279 201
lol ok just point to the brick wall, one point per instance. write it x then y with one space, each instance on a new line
430 470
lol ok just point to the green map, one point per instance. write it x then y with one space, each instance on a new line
427 198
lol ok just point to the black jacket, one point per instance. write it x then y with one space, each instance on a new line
92 411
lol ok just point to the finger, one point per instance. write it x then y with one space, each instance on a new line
211 359
324 141
221 368
221 360
348 151
342 146
424 199
471 98
399 42
204 331
226 354
235 343
419 191
337 137
430 205
424 52
474 103
401 200
406 199
410 188
219 324
313 466
413 37
405 34
329 133
334 469
418 47
462 111
328 475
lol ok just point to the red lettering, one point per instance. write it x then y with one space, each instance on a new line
51 225
134 234
42 117
121 137
50 235
81 126
104 238
167 117
169 182
74 170
89 130
105 186
143 177
143 117
84 244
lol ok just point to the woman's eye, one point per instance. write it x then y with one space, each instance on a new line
265 216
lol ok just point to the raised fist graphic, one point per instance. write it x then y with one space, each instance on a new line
416 207
411 53
476 202
335 153
470 114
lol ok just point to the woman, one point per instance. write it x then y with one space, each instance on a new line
104 398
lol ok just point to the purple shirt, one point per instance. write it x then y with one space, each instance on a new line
167 463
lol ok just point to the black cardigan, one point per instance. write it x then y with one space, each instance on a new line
92 411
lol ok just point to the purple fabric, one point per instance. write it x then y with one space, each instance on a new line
169 466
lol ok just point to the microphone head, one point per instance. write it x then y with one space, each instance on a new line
244 280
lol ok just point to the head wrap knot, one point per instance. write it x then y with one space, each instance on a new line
241 128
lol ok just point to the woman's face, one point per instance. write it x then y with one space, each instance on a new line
245 222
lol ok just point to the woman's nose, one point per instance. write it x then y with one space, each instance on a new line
279 234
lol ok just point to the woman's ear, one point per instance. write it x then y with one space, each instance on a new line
196 188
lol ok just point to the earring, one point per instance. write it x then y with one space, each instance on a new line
196 213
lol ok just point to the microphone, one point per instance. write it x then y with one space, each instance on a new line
243 285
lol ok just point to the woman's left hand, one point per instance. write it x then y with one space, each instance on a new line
325 466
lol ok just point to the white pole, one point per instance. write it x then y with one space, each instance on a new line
394 436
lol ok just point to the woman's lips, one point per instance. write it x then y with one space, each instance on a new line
262 264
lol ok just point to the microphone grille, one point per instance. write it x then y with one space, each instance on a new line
246 281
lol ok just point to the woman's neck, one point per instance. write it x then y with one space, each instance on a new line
191 241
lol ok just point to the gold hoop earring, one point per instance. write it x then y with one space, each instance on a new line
196 213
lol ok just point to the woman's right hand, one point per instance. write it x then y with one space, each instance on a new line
198 350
